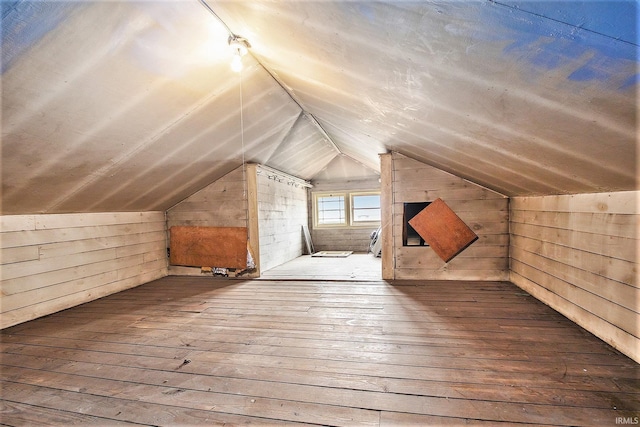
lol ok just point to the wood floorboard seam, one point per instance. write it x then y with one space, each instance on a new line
270 352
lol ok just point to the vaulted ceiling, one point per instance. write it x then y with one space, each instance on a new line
127 106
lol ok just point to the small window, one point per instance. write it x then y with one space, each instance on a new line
330 209
346 209
365 208
410 237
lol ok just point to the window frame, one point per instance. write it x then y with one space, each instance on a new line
316 211
355 223
348 208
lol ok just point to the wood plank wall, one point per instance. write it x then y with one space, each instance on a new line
274 212
53 262
282 210
579 255
485 211
220 204
355 239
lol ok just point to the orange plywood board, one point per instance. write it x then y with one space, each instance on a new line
443 230
224 247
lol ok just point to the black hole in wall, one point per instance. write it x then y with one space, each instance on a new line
410 237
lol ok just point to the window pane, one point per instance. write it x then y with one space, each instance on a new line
366 208
369 201
331 210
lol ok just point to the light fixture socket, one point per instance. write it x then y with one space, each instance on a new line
238 44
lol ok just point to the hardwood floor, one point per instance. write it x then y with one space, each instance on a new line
205 351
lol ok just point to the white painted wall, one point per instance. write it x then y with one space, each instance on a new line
579 255
282 210
53 262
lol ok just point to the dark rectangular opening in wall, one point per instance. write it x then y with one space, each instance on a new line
410 237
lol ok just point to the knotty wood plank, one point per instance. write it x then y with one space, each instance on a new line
294 398
19 254
620 202
619 293
419 195
17 223
127 409
228 376
51 221
603 270
236 340
15 413
69 274
599 223
394 419
259 403
209 246
188 391
339 352
72 299
607 246
624 318
56 235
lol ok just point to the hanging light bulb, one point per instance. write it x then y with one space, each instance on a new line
236 63
239 46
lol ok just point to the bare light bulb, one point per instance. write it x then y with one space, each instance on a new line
239 46
236 63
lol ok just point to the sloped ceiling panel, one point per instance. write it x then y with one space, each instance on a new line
303 152
343 168
522 97
204 145
114 106
136 113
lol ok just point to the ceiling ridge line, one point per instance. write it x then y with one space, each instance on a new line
285 136
306 113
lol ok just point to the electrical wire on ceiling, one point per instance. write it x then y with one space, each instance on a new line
206 6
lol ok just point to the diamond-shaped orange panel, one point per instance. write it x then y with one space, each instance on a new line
443 230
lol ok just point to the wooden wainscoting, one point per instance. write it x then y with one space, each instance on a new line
205 351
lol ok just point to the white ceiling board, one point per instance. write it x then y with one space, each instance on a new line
111 106
343 169
304 151
134 114
189 155
529 104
